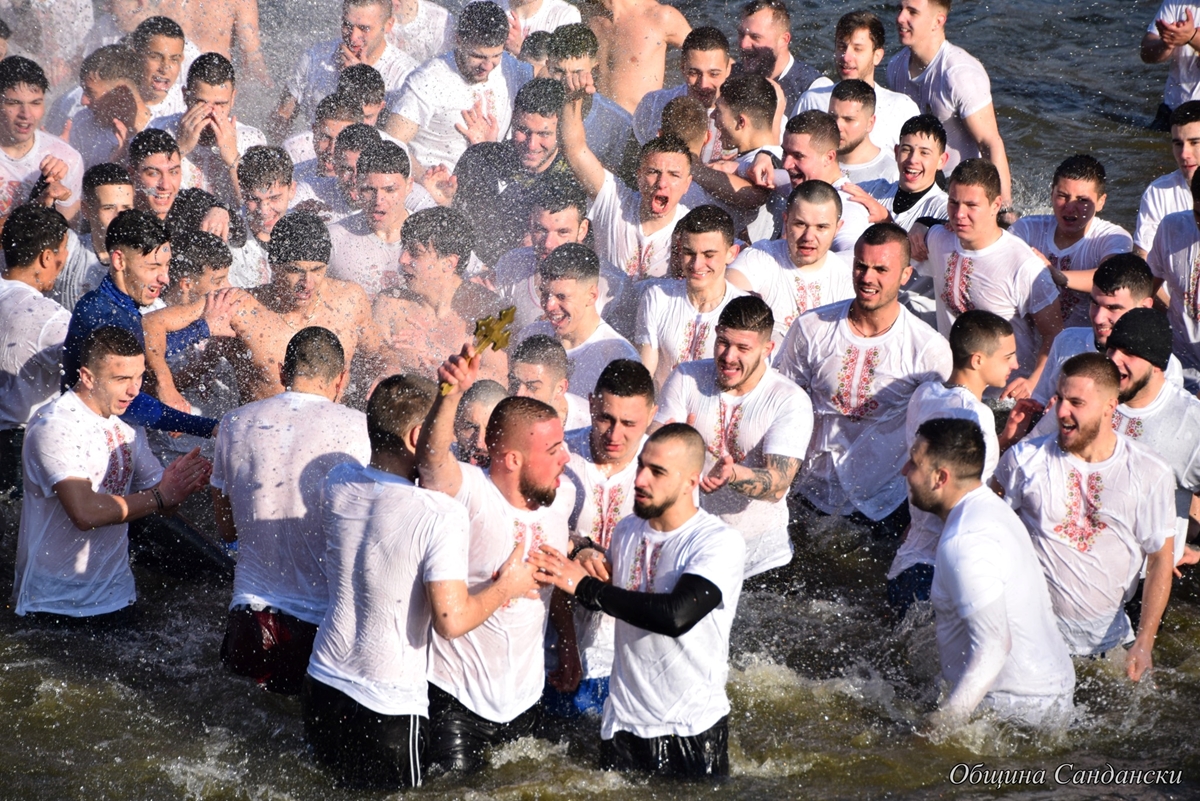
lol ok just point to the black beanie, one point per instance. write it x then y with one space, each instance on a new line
299 236
1144 333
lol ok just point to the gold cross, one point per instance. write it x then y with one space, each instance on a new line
491 332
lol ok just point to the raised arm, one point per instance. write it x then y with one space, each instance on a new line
572 138
436 463
768 483
248 43
983 129
1048 322
1159 47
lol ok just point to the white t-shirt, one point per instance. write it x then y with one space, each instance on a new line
860 388
516 282
1006 278
1183 76
1165 195
550 15
647 120
497 670
203 168
855 220
668 322
251 266
985 556
18 176
324 188
430 34
33 329
608 127
774 418
1091 525
435 96
360 256
82 273
589 358
1101 240
673 685
617 226
316 75
61 569
881 168
579 414
1174 259
386 540
892 110
934 400
790 290
931 204
271 460
1073 341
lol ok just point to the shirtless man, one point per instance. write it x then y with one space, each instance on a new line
216 26
634 36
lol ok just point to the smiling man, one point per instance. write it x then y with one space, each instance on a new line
1171 192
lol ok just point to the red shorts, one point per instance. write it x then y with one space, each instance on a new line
271 647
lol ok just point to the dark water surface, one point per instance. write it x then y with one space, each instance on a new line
825 692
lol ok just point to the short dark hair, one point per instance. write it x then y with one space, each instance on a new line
682 432
195 252
358 137
558 195
136 230
1095 366
212 69
299 236
819 125
21 71
956 444
684 118
976 331
30 231
626 378
777 8
816 192
925 125
752 95
140 38
513 412
444 229
571 261
1186 113
707 219
114 62
543 350
666 144
574 40
536 45
264 166
385 5
363 83
747 313
483 23
978 172
150 142
542 96
108 340
314 352
856 91
1082 167
706 38
338 107
187 214
387 158
107 174
888 233
1124 271
855 21
398 403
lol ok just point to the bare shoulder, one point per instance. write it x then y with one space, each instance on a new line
346 294
390 307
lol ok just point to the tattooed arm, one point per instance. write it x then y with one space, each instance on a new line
768 483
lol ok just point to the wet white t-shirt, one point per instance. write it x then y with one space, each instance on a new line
315 76
18 176
386 541
668 322
673 685
1165 195
855 220
589 358
430 34
61 569
82 273
516 282
774 418
497 670
358 255
550 15
1092 524
1183 75
892 110
790 290
618 230
931 204
881 168
1175 258
33 329
271 461
1071 342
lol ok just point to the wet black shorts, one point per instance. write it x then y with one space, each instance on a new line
271 647
360 747
704 755
458 737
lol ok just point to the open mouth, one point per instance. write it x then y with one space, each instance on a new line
658 204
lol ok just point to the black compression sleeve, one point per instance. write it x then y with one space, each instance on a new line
671 613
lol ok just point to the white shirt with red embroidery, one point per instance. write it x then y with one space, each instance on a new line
860 389
61 569
1175 258
1006 278
1101 240
668 322
497 670
774 418
589 358
619 236
601 501
790 290
1092 525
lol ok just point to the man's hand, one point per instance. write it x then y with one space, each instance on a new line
171 397
218 308
54 172
460 371
578 85
719 476
187 474
727 166
478 124
191 125
762 171
916 242
557 570
517 578
1177 34
516 35
875 210
225 130
344 57
595 563
1018 388
440 183
1138 660
1020 420
216 222
1190 556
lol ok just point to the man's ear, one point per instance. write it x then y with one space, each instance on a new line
116 259
410 439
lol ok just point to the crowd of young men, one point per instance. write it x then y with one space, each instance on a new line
740 305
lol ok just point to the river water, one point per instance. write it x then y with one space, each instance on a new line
825 692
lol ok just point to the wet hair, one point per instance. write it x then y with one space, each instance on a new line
955 444
1124 271
706 38
135 230
1082 167
1095 366
299 236
387 158
819 125
559 195
484 391
536 46
263 166
1186 113
187 214
666 144
747 313
778 9
30 231
108 340
358 137
976 331
484 24
856 91
684 434
575 40
148 143
212 69
855 21
5 31
195 252
21 71
816 192
707 219
140 38
513 415
978 172
925 125
314 352
570 261
887 233
684 118
447 231
114 62
542 96
626 378
338 107
397 405
751 95
545 351
107 174
385 5
363 83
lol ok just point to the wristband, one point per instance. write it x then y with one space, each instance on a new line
158 498
584 544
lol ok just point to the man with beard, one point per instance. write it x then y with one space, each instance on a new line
485 685
759 426
1096 506
852 104
764 38
672 578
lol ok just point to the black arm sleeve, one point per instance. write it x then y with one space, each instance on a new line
671 613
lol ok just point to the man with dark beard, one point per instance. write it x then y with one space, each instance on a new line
672 579
485 685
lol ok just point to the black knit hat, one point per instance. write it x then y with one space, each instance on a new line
299 236
1144 333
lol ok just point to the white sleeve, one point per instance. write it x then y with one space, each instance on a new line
446 553
1156 515
1042 289
46 461
606 206
970 89
722 561
1159 257
672 403
147 470
1168 12
791 429
1009 476
1148 219
645 331
793 359
411 103
220 452
991 642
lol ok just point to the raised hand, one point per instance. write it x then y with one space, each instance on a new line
187 474
478 125
459 372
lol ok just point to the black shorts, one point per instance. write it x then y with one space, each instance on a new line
11 441
701 756
123 618
458 737
362 748
271 647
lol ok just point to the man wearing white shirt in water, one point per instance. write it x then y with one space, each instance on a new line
1173 259
485 685
920 156
672 578
999 646
852 104
528 16
756 426
1170 38
397 562
1171 192
858 46
1096 506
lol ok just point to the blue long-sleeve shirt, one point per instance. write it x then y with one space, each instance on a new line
106 305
